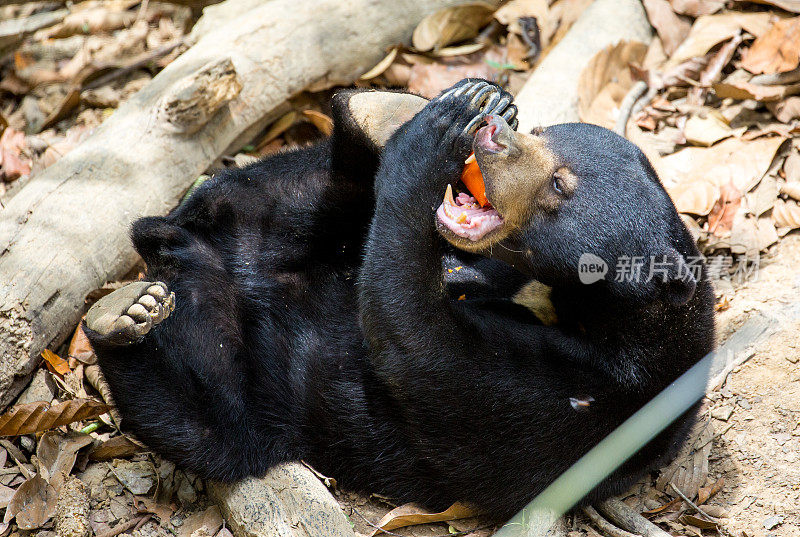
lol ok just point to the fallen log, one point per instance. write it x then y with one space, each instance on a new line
65 232
550 95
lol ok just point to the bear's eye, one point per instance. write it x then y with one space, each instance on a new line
558 182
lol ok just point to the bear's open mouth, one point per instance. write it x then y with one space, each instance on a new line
464 216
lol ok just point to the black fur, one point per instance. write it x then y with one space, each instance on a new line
274 353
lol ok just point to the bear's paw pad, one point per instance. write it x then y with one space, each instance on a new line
129 313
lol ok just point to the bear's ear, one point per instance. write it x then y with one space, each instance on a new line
376 115
676 278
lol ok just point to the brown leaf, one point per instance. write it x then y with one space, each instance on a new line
720 219
710 30
119 447
428 80
786 214
791 189
55 363
88 21
696 8
706 493
322 122
57 454
671 28
695 197
786 110
411 514
12 164
788 5
736 161
605 80
451 25
698 522
40 416
745 90
708 130
33 504
79 347
207 522
776 51
689 469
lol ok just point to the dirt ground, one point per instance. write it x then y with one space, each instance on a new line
757 448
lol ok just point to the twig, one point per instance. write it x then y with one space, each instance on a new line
692 504
122 528
143 521
629 519
604 525
626 107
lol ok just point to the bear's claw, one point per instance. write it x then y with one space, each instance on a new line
488 99
129 313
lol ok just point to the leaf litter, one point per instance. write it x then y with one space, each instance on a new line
719 120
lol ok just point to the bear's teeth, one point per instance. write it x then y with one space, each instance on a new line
448 197
462 218
470 158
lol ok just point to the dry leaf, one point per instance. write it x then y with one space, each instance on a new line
33 504
428 80
119 447
735 161
671 28
786 214
460 50
698 522
745 90
55 363
88 21
57 454
697 8
744 237
381 65
708 130
40 416
711 30
206 523
695 197
605 80
80 349
6 493
451 25
12 165
763 197
791 189
411 514
776 51
689 469
322 122
720 219
786 110
788 5
767 234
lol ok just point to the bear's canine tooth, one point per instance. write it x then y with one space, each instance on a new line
471 158
448 197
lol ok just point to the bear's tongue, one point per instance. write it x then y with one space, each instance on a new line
465 217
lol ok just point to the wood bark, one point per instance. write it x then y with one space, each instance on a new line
65 232
550 95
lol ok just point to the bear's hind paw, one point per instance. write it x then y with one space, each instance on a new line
129 313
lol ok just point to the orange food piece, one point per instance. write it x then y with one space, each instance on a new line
473 180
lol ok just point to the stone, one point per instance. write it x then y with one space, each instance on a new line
289 501
41 388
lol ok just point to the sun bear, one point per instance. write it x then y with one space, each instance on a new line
318 314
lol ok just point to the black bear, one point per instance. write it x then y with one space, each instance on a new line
313 317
